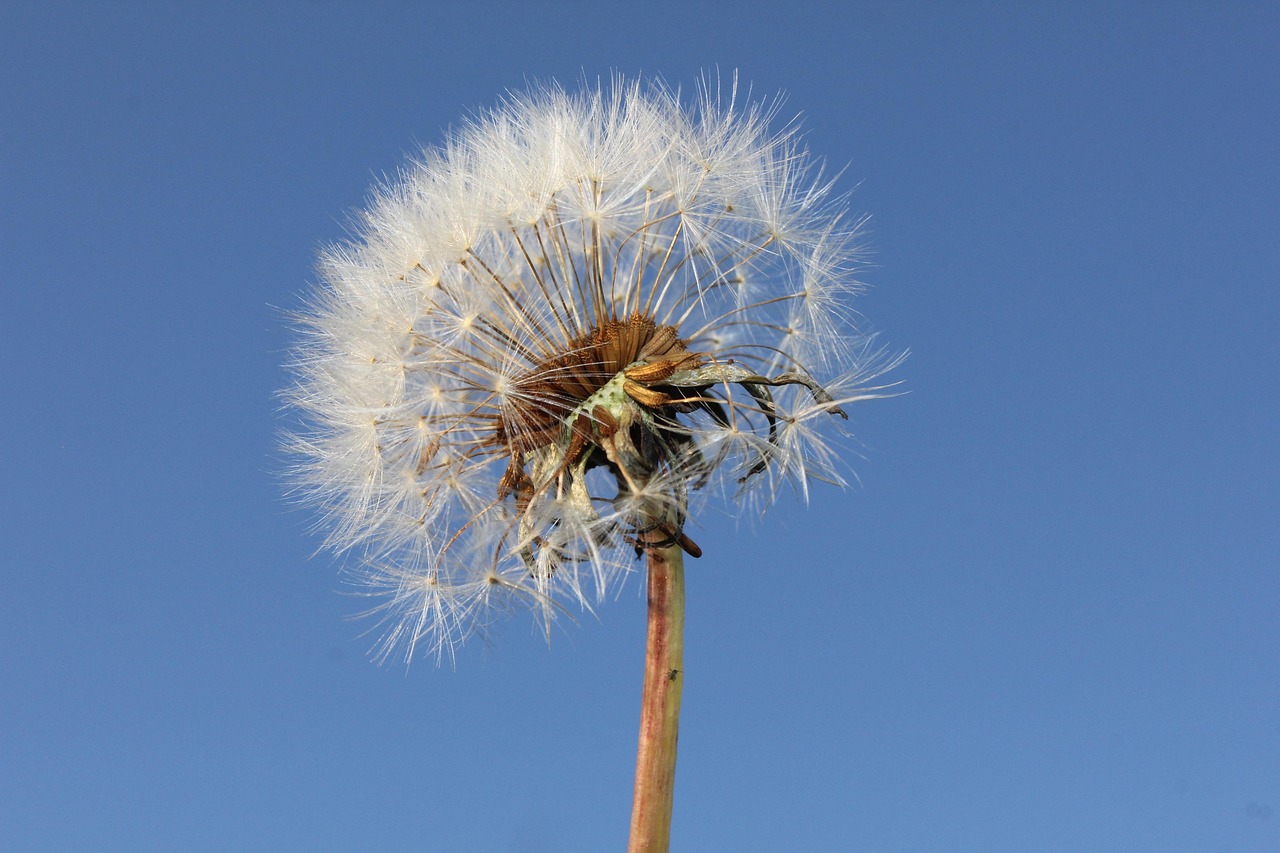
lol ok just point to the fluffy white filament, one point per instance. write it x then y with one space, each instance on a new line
490 257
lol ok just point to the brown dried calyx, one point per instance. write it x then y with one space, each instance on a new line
545 396
612 399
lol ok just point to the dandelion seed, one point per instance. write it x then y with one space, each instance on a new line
551 336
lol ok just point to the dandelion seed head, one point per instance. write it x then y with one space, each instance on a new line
552 337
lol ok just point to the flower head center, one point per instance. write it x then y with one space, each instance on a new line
544 397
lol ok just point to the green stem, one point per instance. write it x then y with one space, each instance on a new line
660 705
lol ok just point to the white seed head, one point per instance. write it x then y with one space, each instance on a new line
552 334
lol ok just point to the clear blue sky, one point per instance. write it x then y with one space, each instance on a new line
1045 620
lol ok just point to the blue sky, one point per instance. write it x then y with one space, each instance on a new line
1045 619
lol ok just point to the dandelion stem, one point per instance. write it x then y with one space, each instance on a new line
660 705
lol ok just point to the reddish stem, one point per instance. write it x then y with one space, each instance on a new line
660 705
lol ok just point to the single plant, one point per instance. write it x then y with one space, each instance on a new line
553 334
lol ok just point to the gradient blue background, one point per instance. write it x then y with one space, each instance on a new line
1045 620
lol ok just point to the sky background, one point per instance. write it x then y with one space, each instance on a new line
1044 620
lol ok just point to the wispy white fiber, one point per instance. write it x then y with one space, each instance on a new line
468 430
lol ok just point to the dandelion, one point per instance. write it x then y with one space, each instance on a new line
557 334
